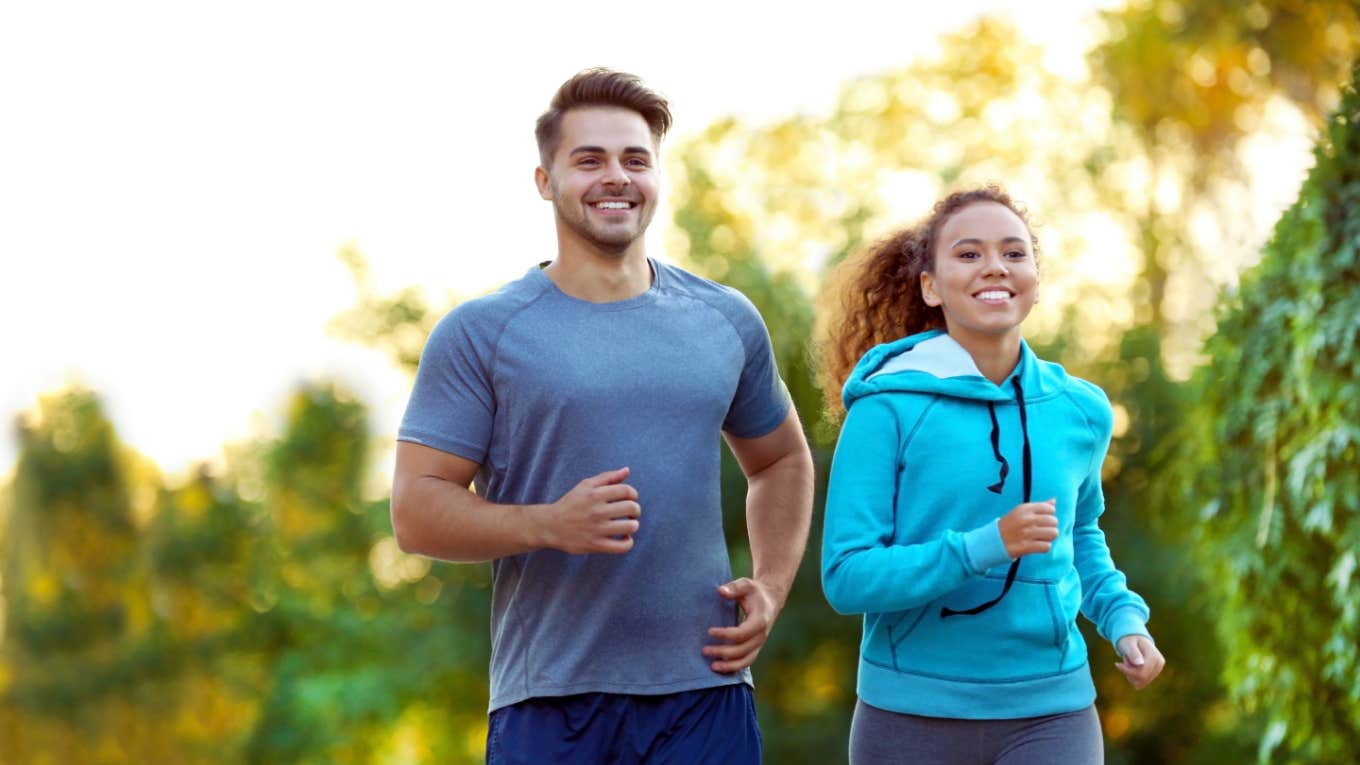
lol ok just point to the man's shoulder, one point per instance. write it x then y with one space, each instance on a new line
729 301
495 308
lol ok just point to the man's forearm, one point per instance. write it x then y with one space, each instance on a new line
778 517
440 519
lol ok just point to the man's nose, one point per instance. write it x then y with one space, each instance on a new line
614 174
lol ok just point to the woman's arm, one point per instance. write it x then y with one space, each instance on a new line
1106 598
863 571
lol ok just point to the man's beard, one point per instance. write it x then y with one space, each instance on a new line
614 246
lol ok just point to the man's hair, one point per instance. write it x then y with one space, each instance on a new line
600 87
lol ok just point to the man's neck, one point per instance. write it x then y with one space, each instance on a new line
599 277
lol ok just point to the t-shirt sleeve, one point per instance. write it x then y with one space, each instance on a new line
452 405
762 401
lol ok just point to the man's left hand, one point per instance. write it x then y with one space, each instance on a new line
742 643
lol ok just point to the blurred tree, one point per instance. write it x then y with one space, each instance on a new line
259 613
396 324
79 625
347 623
1205 71
1268 465
1195 81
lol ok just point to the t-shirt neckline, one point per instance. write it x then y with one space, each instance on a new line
637 301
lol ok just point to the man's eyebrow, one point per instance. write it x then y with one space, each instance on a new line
1007 240
601 150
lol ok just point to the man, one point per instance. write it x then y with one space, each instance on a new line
586 399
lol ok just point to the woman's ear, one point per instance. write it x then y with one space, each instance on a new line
928 293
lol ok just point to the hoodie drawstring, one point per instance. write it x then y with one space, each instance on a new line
996 488
996 451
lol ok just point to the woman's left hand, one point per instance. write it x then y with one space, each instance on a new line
1142 661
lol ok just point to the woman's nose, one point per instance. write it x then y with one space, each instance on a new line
995 265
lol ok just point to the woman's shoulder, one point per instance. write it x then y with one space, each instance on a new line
903 411
1091 401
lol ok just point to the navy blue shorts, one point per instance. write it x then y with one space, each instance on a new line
708 725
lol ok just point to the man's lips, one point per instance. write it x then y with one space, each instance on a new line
613 204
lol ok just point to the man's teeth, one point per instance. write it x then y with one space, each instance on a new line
612 205
994 295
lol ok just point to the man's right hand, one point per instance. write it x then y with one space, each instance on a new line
1029 528
599 515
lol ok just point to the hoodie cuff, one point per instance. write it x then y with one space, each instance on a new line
985 548
1124 622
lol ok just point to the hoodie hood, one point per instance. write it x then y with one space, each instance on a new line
933 362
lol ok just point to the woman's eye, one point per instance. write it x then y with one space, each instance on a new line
1016 254
968 254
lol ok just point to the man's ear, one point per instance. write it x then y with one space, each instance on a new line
543 182
928 293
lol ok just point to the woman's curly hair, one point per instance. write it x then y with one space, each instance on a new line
875 296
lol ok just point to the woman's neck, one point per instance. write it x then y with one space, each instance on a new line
996 356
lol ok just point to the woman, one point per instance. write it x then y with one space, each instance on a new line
961 517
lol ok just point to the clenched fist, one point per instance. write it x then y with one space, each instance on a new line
1030 528
599 515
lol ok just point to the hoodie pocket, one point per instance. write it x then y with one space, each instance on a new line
1020 637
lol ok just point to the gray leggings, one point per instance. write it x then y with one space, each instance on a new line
879 738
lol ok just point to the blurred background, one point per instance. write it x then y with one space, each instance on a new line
227 231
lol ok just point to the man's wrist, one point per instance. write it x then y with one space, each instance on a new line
776 587
534 533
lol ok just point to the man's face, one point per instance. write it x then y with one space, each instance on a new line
603 180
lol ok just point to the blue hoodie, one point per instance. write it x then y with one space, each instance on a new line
930 457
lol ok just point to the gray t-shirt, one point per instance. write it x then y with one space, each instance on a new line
543 390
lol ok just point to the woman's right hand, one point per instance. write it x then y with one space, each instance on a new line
1029 528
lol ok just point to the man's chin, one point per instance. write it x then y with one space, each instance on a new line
612 250
616 245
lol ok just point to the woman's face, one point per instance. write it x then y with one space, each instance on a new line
985 278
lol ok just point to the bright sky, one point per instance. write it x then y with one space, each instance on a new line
176 178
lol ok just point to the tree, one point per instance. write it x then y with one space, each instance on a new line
1269 465
81 629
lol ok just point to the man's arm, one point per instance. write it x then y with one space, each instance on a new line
778 468
434 513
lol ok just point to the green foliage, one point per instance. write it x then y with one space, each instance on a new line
1152 548
1270 460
